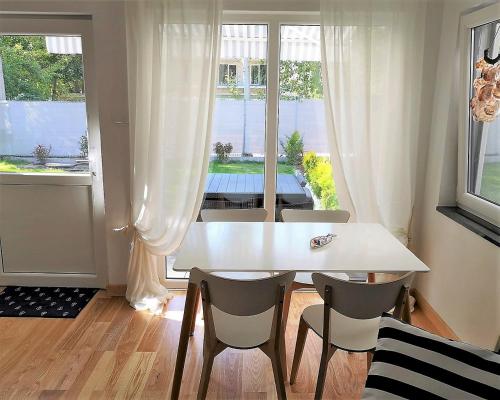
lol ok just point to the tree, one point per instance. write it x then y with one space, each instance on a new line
31 73
300 80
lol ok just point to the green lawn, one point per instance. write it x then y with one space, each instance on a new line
246 167
19 166
490 184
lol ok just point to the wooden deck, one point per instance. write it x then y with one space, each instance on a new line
250 184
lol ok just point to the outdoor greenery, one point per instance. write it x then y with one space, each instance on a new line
246 167
319 175
20 166
490 184
84 146
223 150
300 80
41 153
293 147
31 73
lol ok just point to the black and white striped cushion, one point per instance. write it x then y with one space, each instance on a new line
414 364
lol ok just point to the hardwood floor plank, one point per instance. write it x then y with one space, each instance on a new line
112 351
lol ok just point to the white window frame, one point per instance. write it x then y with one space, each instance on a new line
67 25
274 21
259 67
470 202
224 84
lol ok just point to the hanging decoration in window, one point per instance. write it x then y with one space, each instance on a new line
485 104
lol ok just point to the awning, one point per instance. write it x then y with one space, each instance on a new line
64 44
298 42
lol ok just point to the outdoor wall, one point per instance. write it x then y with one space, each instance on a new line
463 285
306 116
25 124
58 124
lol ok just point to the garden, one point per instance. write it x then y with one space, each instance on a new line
316 170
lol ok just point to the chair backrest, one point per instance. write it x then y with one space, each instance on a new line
331 216
234 215
361 300
242 297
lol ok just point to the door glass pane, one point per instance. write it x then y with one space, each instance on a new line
43 120
304 173
484 128
236 170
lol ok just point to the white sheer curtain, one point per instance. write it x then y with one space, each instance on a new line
172 50
372 73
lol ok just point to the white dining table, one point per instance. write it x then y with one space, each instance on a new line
277 247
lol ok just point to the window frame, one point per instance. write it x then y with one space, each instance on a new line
274 21
259 72
465 200
225 84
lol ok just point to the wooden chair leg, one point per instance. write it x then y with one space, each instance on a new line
195 313
323 367
299 349
369 358
279 378
286 308
206 370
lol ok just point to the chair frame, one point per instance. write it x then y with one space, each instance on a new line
401 311
273 347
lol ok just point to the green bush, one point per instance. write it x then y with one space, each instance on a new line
293 147
318 173
223 150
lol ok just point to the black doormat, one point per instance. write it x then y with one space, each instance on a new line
44 302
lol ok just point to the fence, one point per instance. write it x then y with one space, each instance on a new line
24 124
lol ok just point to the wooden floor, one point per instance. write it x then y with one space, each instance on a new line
112 351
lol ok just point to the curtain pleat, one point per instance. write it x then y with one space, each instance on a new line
172 48
372 57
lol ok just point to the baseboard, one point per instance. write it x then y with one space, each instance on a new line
116 290
441 327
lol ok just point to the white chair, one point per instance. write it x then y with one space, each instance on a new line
349 318
242 314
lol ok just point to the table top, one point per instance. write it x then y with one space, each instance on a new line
277 246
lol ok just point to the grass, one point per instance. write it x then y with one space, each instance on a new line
20 167
490 184
246 167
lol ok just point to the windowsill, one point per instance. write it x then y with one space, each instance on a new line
473 223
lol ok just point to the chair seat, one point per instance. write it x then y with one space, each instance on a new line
242 275
305 277
345 333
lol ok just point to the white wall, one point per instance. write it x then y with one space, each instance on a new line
110 54
464 282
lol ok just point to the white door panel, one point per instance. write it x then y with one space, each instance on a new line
51 234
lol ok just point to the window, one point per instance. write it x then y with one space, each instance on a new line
269 146
305 176
43 119
479 161
227 74
258 75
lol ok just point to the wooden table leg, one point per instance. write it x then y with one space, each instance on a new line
187 319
